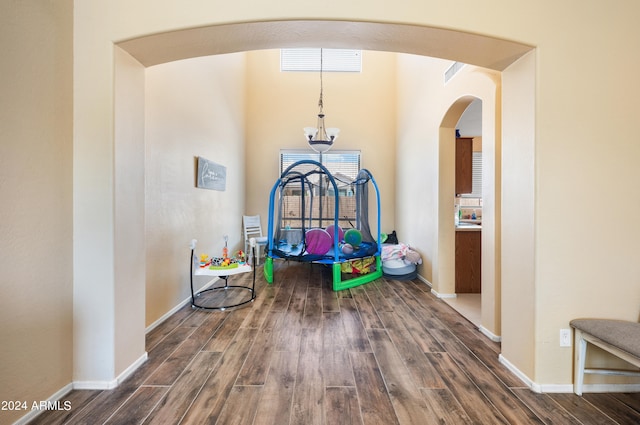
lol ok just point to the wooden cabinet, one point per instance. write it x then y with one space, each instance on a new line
464 167
468 262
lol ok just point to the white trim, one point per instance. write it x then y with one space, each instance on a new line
439 295
109 385
493 337
524 378
553 388
434 292
423 280
610 388
178 307
589 388
55 397
567 388
95 385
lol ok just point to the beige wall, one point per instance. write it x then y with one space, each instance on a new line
35 206
580 97
129 192
194 108
280 104
518 218
428 111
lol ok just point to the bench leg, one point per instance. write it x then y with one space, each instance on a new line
580 353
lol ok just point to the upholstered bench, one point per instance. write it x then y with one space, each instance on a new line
618 337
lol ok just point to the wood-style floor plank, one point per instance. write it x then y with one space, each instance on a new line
240 407
465 391
547 410
353 327
422 371
255 368
444 408
405 396
579 407
611 406
274 407
138 407
493 389
227 330
342 406
368 314
171 368
312 317
308 398
210 400
336 365
387 352
375 402
174 405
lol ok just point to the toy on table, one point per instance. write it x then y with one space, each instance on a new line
241 257
219 263
225 250
204 260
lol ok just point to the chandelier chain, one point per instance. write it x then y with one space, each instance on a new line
320 100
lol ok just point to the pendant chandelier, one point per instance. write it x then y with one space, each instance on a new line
321 138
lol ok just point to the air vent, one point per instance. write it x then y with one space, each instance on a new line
452 70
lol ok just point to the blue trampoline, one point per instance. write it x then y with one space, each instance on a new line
310 210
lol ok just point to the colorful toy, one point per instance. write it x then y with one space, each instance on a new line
331 231
347 249
353 237
240 255
347 202
318 241
219 263
225 250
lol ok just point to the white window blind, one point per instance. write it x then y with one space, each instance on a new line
342 164
476 174
333 60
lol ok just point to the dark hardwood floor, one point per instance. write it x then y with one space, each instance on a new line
384 353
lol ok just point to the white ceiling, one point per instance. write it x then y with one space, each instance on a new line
470 123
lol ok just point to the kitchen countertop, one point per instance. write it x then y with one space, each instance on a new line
469 226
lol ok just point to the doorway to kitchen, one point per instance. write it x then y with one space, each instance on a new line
470 220
468 214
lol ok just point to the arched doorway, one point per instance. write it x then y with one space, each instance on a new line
181 44
487 90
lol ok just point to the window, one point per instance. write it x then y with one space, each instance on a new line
476 174
343 166
333 60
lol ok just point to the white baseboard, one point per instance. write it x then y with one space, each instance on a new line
95 385
493 337
523 377
423 280
568 388
434 292
610 388
109 385
51 401
178 307
439 295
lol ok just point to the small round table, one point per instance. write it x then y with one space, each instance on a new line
222 274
